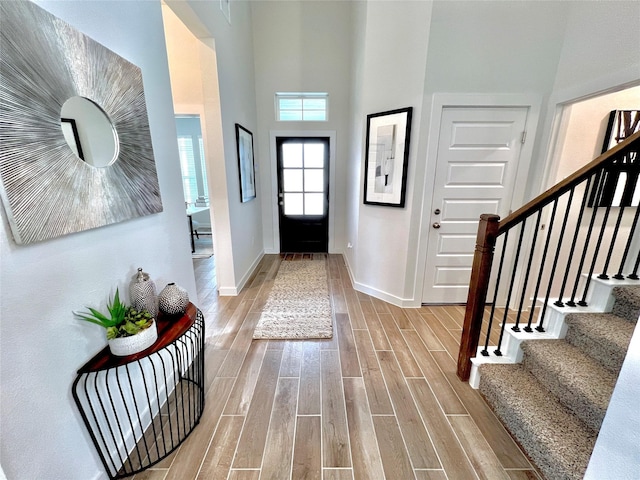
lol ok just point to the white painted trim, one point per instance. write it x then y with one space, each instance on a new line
352 277
273 134
442 100
600 300
233 291
382 295
228 291
558 103
603 85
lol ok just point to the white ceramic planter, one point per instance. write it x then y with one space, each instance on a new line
124 346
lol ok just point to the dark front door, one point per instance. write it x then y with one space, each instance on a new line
303 193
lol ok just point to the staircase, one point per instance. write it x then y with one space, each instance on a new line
553 403
548 366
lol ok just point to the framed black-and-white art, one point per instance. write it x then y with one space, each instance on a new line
244 142
619 184
387 157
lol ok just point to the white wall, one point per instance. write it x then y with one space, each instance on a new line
487 49
601 47
41 344
390 58
238 226
586 125
615 455
302 47
356 134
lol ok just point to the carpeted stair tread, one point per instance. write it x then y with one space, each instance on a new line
555 440
603 336
579 382
627 304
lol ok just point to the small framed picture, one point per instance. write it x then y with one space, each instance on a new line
387 157
244 142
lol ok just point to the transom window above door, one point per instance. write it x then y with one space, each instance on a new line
302 107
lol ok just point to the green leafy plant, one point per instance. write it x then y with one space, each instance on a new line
121 321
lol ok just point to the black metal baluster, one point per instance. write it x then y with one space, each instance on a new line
616 229
634 274
540 327
559 303
515 328
571 302
594 213
543 263
583 302
619 275
526 276
485 352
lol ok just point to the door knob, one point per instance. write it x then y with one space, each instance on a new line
436 225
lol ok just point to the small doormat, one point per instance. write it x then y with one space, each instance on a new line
298 306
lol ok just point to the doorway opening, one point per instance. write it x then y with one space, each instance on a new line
193 74
194 184
578 139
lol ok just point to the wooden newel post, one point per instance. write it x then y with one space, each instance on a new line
477 297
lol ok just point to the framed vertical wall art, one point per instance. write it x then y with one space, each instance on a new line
619 184
244 142
387 157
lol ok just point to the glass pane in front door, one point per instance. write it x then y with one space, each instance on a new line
303 184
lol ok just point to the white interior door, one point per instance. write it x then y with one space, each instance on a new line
476 167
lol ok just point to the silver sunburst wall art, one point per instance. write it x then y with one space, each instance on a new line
47 190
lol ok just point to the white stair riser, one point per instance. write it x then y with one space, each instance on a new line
599 300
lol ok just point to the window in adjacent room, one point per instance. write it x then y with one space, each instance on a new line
302 107
192 160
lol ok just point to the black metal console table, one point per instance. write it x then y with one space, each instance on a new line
140 408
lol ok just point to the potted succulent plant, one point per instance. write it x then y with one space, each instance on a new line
128 330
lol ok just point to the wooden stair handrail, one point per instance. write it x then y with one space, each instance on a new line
565 185
476 298
489 229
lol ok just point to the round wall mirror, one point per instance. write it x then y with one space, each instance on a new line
89 131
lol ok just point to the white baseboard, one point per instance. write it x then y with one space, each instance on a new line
387 297
233 291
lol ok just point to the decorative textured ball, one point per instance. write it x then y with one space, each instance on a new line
173 299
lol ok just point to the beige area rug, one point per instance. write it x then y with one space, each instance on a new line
298 306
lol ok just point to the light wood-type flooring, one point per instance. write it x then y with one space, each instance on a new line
380 400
